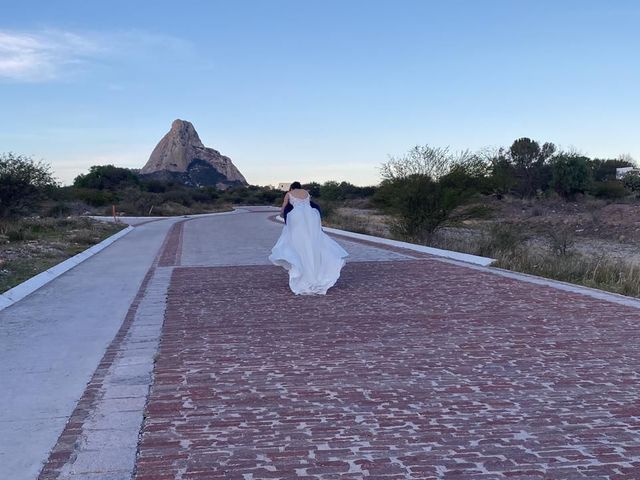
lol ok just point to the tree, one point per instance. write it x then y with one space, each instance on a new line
107 177
330 190
420 160
503 177
571 174
530 163
423 187
23 182
313 188
605 169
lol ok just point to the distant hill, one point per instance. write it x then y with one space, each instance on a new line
181 156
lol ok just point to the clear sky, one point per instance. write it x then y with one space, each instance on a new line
315 89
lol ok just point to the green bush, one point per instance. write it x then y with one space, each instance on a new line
421 206
571 175
60 209
107 177
501 239
611 189
154 186
632 182
530 163
183 197
423 188
502 177
95 198
23 183
333 191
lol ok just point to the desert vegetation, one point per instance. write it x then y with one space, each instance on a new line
534 209
530 206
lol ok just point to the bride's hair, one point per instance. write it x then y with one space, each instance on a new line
295 185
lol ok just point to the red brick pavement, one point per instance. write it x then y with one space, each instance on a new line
417 369
171 251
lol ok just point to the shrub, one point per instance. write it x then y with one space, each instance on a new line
425 186
154 186
136 202
60 209
182 197
530 164
632 181
422 205
561 240
95 198
501 239
571 175
611 189
603 273
23 183
502 179
107 177
333 190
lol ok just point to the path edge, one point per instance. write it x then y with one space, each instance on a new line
29 286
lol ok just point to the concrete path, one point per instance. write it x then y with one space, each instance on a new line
52 341
411 367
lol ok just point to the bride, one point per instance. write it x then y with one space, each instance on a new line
312 259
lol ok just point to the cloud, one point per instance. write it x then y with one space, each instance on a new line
42 56
48 55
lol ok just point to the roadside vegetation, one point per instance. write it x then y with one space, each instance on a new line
530 206
533 208
29 246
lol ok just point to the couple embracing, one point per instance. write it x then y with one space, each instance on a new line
311 257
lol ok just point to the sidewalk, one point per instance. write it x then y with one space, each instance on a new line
53 340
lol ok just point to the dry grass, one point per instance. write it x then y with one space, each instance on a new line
603 273
31 245
551 252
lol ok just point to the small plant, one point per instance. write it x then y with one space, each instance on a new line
60 209
561 241
503 238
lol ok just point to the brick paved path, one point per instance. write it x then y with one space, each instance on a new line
410 367
414 369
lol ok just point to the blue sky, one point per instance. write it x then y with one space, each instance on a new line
315 89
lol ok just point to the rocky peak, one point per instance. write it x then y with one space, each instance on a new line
181 151
186 132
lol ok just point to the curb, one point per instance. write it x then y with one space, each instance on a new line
565 286
18 292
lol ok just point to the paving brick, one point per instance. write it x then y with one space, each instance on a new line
414 369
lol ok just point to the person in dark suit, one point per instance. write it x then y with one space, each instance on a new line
289 207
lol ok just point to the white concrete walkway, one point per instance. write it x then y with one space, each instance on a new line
52 341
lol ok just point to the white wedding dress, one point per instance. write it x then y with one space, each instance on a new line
311 257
